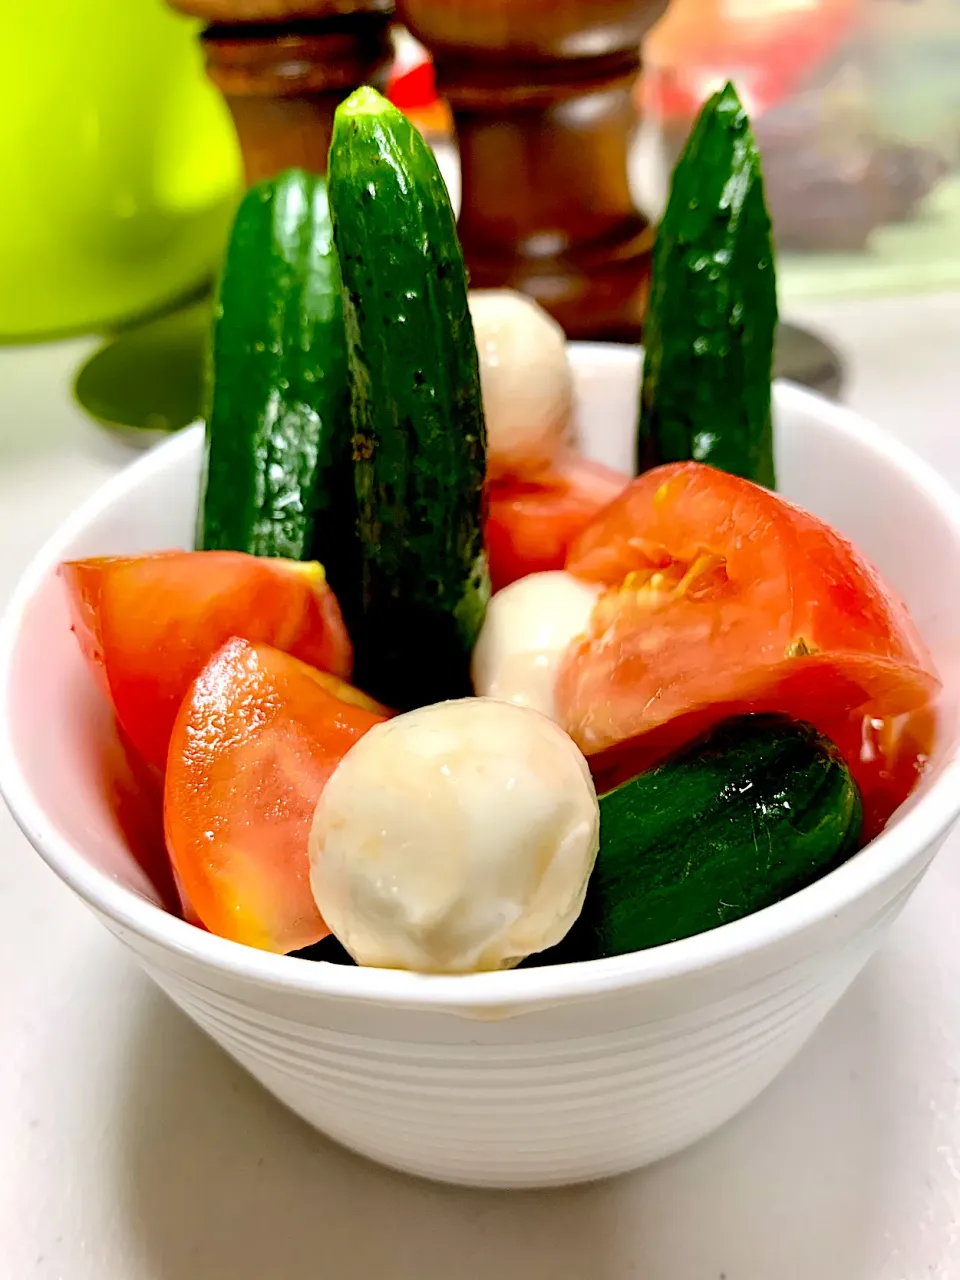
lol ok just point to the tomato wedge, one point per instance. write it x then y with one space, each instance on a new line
532 523
147 626
724 598
886 758
256 739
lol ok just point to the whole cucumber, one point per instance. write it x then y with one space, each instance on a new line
711 319
740 819
419 443
278 477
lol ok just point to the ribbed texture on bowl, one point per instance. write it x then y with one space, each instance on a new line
542 1076
508 1111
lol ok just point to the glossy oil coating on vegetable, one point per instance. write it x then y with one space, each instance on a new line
147 626
278 469
727 672
751 814
725 598
710 323
418 428
257 737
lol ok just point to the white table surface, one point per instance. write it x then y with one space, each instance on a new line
133 1149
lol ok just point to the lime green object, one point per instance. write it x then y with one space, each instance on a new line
120 167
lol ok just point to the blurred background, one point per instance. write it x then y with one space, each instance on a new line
857 111
856 107
122 165
119 142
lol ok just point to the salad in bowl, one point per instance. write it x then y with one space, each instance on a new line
456 759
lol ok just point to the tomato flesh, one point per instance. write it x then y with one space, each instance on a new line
723 598
256 739
147 625
886 758
531 524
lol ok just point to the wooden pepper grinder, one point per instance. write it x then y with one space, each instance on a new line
541 93
284 65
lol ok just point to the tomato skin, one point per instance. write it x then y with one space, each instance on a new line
886 758
256 739
532 523
83 585
725 599
148 624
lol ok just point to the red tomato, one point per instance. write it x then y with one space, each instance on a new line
724 598
256 739
148 625
886 758
415 87
531 523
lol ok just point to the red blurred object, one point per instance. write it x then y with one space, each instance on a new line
414 87
697 47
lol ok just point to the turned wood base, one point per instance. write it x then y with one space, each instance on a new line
283 66
541 92
282 85
546 205
542 99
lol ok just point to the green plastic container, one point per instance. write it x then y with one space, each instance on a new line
120 165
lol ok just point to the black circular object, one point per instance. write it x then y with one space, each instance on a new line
149 380
803 357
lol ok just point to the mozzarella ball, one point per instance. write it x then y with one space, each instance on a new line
456 838
528 628
526 379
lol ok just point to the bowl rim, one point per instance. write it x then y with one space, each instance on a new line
507 991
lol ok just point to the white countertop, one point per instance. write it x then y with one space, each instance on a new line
132 1149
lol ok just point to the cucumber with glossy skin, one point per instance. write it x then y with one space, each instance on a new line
712 315
752 813
418 431
278 478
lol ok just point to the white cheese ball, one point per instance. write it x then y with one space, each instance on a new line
528 628
526 380
456 838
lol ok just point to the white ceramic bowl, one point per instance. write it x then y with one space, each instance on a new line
536 1077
